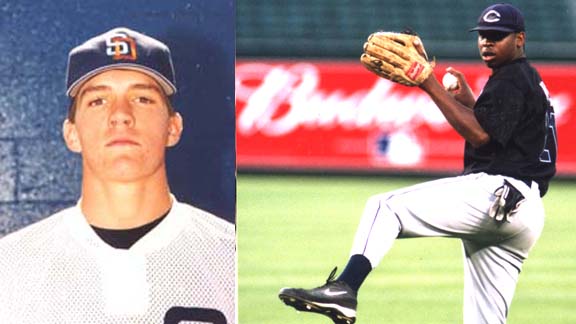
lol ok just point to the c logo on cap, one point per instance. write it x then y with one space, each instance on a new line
491 16
121 47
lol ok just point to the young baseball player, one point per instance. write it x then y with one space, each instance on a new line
494 208
128 252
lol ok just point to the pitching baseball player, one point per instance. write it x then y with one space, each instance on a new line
495 207
128 252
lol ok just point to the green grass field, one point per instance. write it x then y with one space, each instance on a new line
292 230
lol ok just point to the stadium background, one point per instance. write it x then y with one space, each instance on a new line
296 220
38 175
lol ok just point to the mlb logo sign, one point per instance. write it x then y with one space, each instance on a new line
121 47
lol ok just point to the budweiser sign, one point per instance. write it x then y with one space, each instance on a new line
336 115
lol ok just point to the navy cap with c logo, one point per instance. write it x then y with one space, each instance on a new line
120 48
501 17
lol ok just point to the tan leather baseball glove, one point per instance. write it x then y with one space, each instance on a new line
398 57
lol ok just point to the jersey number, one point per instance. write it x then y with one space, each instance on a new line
550 142
177 315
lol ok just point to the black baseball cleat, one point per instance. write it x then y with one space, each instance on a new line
335 299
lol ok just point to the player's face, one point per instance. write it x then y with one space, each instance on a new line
122 126
498 48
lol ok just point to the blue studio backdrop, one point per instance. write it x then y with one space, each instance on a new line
38 175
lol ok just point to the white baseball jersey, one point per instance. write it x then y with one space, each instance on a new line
59 271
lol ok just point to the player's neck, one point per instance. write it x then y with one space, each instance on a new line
122 205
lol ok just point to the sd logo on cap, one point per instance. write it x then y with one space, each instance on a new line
120 48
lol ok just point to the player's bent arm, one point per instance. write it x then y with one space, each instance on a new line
460 117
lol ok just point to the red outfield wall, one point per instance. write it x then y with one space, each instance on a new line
335 115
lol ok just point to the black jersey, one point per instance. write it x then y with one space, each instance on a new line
514 109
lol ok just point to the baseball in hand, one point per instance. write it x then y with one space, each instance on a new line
450 82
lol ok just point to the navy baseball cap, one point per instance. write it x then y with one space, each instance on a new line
120 48
501 17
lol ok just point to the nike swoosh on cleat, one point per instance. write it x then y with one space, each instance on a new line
328 292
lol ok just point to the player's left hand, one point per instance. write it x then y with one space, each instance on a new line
508 200
399 57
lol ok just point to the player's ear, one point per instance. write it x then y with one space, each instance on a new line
175 126
71 138
520 39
